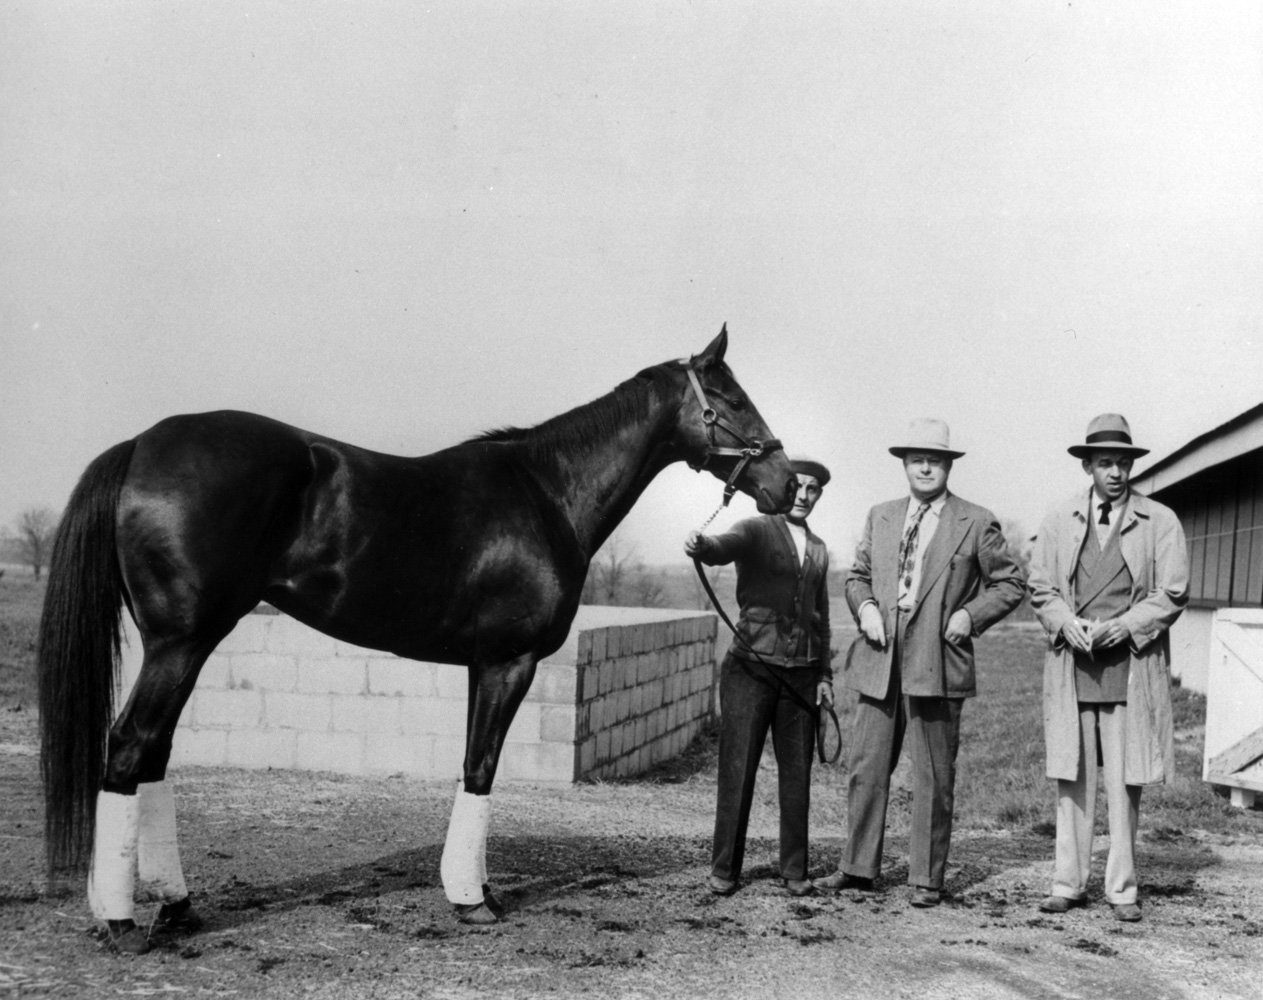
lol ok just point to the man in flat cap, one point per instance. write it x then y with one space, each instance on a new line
931 573
778 665
1109 575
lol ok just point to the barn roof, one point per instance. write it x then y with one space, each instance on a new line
1239 436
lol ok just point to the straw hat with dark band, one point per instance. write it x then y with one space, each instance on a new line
1108 432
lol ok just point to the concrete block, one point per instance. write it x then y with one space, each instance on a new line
447 758
587 758
637 699
228 709
398 677
606 682
526 726
216 673
554 684
537 762
260 749
642 731
293 638
263 671
341 752
249 636
557 724
622 705
370 716
432 717
603 746
583 652
451 681
200 747
332 675
600 640
616 741
308 712
384 754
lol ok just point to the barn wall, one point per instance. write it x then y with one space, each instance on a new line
629 688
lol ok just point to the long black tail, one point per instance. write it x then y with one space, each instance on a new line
79 659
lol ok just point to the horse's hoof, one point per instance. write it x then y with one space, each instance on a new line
126 938
491 901
178 917
475 913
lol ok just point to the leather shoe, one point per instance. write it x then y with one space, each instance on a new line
1127 912
839 881
178 917
1060 904
923 897
125 937
721 886
799 887
476 914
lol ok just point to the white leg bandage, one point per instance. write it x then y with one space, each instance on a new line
464 854
159 855
112 877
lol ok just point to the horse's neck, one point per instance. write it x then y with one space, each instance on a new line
602 483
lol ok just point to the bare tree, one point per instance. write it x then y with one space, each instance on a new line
618 576
36 527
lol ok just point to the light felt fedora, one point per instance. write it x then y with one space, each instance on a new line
1108 432
810 467
927 434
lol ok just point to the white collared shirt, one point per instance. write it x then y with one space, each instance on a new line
798 532
1117 510
925 535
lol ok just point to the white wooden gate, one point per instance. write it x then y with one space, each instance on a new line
1234 704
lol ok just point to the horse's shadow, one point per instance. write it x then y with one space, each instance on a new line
403 888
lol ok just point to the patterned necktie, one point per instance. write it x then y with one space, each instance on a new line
908 547
1106 507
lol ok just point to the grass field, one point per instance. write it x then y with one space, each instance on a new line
1000 774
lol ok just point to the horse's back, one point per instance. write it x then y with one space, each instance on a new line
415 555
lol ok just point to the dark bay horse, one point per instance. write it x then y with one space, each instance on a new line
473 555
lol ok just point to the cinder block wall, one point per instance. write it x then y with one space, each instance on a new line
629 688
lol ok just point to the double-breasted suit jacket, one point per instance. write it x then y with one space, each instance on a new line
967 565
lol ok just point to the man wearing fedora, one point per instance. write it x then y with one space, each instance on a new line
931 573
779 662
1109 574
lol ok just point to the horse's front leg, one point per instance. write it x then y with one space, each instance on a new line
495 692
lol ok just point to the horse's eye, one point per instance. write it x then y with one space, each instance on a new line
737 403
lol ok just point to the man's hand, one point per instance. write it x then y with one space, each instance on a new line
1110 633
695 544
1075 632
824 693
959 627
872 626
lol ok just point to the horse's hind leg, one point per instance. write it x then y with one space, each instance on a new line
495 692
135 827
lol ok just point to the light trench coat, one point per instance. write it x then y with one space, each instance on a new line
1152 544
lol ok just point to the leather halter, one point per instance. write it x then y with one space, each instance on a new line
750 448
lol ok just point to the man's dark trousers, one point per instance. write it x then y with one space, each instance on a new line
752 702
932 727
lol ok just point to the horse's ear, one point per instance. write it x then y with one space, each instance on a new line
714 353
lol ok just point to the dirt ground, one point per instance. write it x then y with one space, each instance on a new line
327 886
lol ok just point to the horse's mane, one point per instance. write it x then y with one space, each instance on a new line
578 429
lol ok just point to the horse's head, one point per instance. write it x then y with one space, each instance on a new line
720 430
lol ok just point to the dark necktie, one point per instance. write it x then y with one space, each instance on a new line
1105 512
908 547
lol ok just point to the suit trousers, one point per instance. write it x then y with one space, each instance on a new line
932 728
752 702
1076 809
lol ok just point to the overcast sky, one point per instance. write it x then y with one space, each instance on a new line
399 226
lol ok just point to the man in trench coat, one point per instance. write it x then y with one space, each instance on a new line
1109 575
931 573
